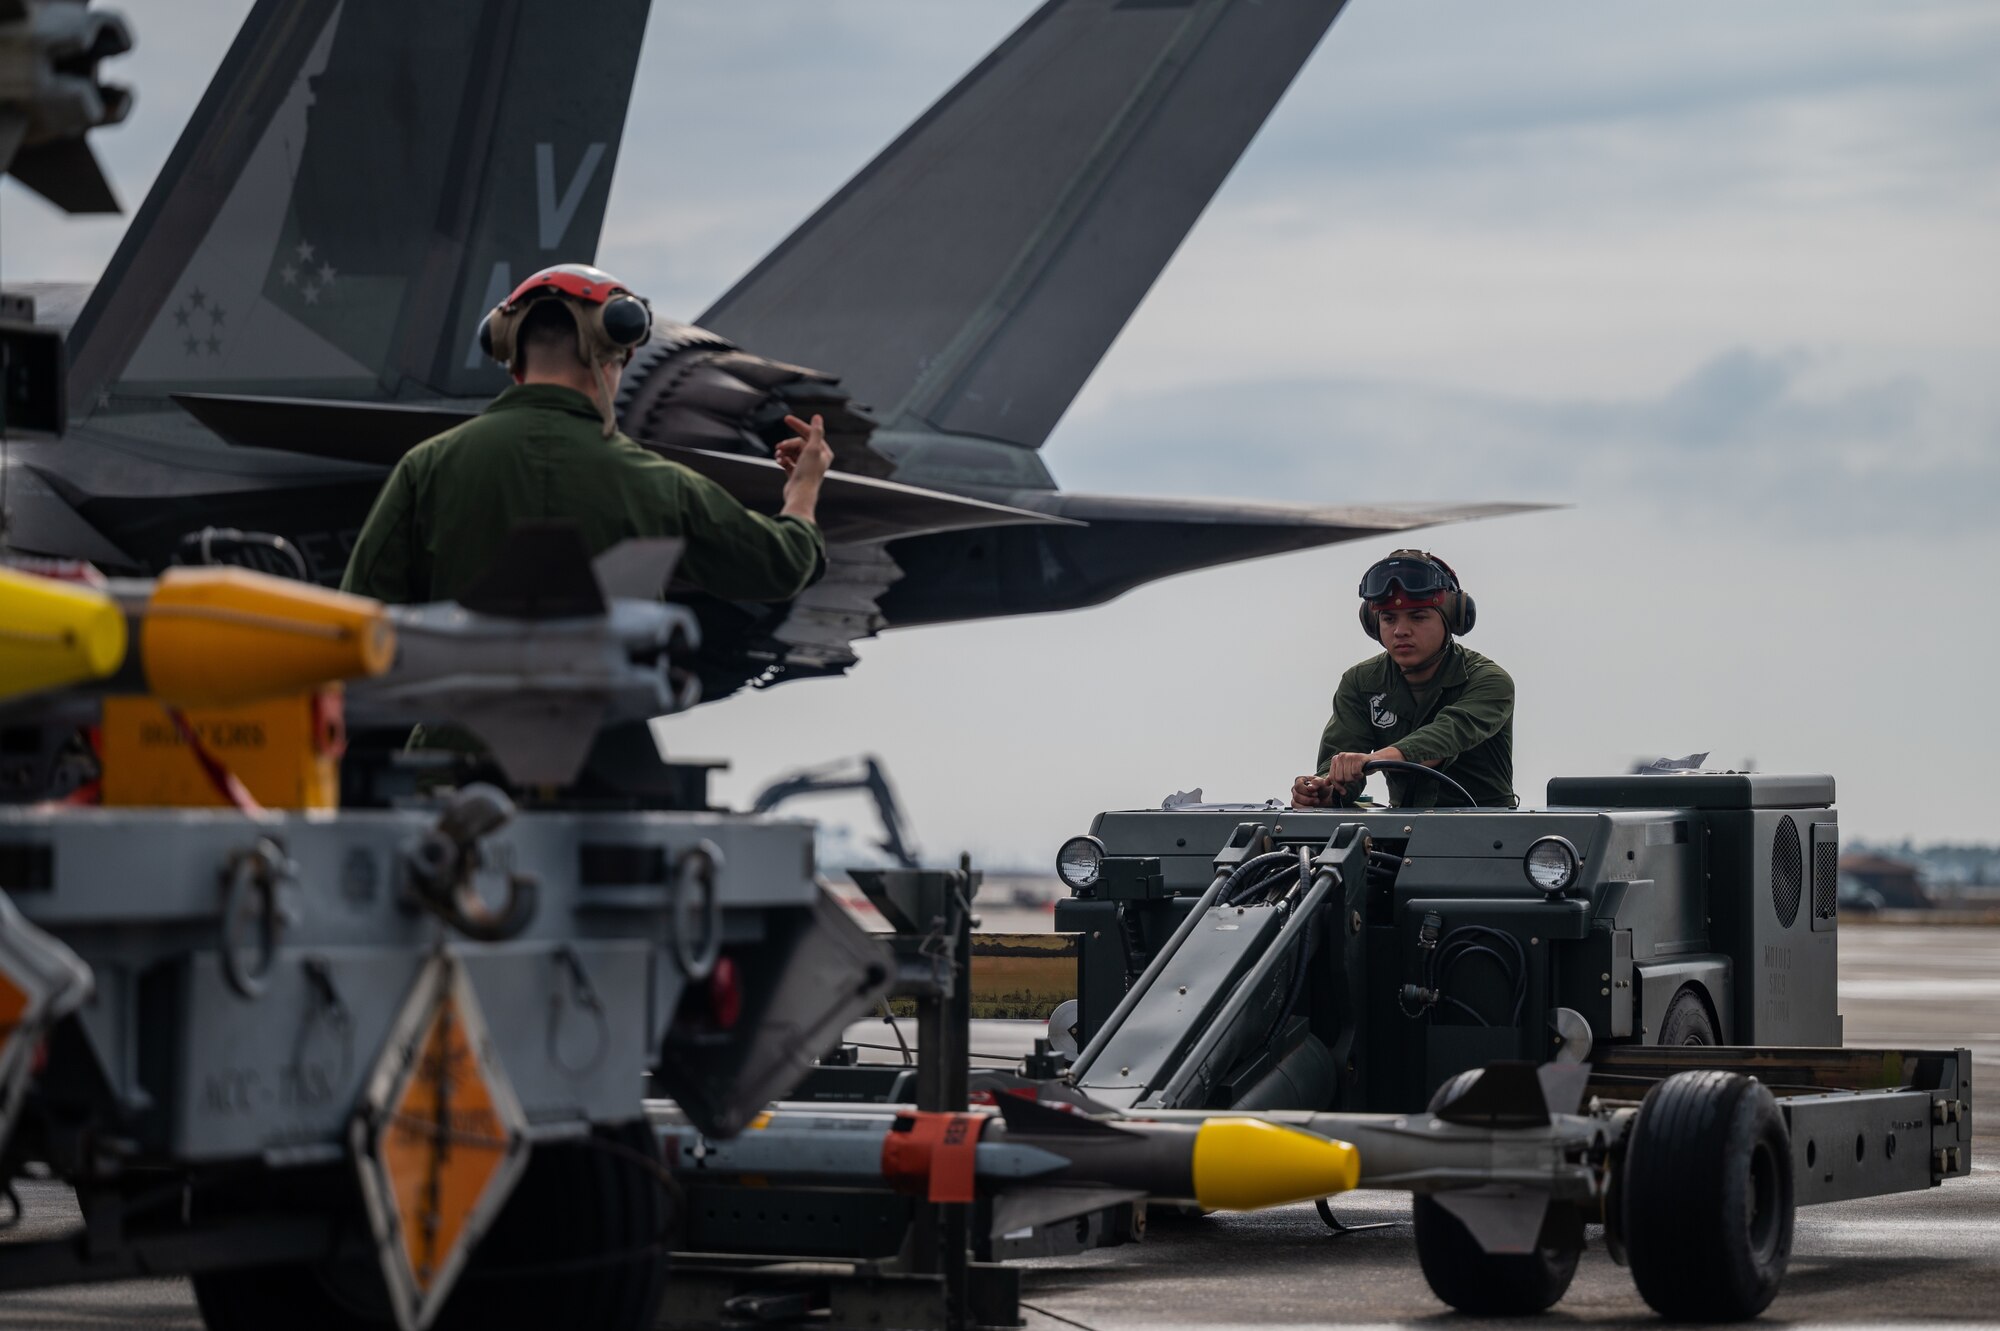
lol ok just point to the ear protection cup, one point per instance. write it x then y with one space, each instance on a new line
497 329
625 321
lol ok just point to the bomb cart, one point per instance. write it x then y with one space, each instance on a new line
1620 1009
353 1066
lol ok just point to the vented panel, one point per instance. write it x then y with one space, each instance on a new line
1826 879
1787 871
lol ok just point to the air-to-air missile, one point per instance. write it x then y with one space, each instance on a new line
549 650
1039 1162
205 636
1497 1156
536 661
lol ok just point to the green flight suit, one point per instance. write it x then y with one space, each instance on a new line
538 452
1467 719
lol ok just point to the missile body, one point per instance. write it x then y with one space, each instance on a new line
213 637
206 637
55 634
1555 1154
1225 1162
536 691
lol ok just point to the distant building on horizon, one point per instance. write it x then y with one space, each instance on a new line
1885 882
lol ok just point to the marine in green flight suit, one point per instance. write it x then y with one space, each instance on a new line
547 449
1426 699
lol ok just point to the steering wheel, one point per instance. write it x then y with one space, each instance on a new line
1418 769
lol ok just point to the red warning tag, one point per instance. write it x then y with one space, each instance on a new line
935 1152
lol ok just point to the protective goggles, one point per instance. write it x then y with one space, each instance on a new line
1417 577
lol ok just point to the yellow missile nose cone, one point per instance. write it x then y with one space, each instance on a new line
222 636
54 634
1246 1164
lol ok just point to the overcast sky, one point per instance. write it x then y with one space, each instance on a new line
1724 279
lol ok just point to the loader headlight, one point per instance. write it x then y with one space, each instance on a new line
1079 862
1551 865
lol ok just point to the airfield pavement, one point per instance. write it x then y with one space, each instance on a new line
1915 1258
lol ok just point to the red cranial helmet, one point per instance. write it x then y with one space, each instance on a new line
610 320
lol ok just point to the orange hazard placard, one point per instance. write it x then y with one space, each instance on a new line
936 1152
443 1145
440 1141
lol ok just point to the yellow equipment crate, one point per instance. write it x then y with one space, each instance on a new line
286 752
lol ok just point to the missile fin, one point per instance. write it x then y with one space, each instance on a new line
1026 1207
1506 1095
537 738
1021 1114
1563 1085
1500 1219
995 1081
638 570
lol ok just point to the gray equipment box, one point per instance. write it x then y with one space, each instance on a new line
1713 891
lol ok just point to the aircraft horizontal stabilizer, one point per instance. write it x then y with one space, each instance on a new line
853 509
1125 542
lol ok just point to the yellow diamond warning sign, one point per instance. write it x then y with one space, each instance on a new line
440 1140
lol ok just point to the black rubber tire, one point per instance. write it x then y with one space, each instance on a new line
1707 1197
299 1297
582 1242
1485 1284
1687 1020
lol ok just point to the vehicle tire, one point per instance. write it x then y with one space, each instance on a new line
1687 1020
582 1242
1485 1284
1707 1197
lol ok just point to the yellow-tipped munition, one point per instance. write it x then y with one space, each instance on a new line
1228 1163
55 634
219 636
1246 1164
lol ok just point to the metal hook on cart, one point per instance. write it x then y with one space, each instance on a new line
252 892
696 905
443 862
582 994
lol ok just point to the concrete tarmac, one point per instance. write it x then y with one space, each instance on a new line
1916 1258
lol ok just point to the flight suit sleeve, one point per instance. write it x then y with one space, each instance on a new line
1475 716
1347 729
385 558
740 555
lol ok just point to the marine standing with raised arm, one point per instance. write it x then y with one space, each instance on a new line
549 449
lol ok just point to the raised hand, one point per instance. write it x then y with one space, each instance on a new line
806 454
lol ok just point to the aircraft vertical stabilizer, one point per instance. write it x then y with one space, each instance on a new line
361 181
968 280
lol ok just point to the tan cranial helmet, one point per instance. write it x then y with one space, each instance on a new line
611 322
